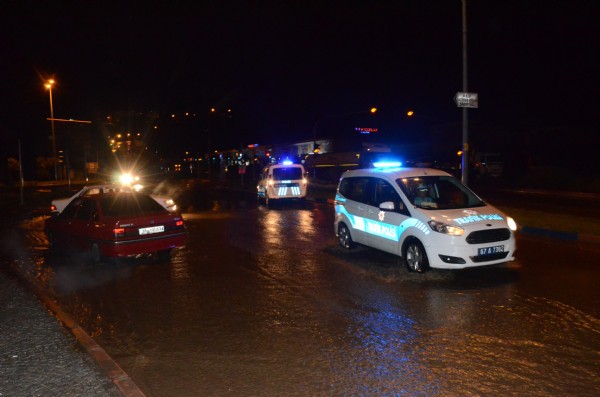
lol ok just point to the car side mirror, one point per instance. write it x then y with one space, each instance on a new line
387 206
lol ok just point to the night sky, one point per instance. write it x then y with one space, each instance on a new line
282 66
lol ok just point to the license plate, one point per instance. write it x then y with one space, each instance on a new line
490 250
150 230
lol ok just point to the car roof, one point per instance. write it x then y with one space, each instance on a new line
109 185
395 172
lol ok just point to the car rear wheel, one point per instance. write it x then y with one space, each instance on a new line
416 257
344 237
95 255
164 255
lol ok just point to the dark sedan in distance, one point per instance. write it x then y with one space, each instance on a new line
116 225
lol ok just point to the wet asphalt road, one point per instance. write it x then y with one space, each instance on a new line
262 302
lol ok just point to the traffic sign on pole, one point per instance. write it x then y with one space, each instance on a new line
466 100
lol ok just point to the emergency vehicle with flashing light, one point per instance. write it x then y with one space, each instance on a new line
282 181
426 216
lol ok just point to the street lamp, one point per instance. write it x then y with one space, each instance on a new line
48 85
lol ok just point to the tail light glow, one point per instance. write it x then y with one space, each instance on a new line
119 232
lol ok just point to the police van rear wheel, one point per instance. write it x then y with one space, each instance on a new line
416 257
269 202
344 237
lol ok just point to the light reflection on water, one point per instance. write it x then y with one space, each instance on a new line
179 264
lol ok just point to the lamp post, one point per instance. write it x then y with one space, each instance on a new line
48 85
465 110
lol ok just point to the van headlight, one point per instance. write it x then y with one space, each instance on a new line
445 228
512 225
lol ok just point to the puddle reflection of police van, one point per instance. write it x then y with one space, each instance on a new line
424 215
282 181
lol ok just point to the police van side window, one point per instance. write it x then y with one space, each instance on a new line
355 188
383 192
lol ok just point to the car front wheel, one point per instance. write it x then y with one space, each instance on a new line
51 240
416 257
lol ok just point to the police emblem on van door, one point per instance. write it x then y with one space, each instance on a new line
381 216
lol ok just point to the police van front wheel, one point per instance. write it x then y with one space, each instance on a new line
344 237
416 257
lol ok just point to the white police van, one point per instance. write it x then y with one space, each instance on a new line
424 215
282 181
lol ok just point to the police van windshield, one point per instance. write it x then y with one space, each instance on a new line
287 174
438 193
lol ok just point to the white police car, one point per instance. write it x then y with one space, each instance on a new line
424 215
282 181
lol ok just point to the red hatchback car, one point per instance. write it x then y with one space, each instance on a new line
113 225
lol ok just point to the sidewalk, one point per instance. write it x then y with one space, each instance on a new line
40 357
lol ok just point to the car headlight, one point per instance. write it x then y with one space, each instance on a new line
444 228
512 225
126 179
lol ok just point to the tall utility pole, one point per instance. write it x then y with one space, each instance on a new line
465 110
49 85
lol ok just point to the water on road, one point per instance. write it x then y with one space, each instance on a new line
263 302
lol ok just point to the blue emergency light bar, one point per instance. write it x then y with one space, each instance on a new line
387 164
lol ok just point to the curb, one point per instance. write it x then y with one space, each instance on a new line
115 373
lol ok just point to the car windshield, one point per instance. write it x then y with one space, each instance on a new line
127 204
438 192
287 174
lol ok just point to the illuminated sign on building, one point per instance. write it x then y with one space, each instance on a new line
366 130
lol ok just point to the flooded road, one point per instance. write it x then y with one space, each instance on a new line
262 302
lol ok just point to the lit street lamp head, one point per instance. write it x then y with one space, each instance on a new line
48 85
